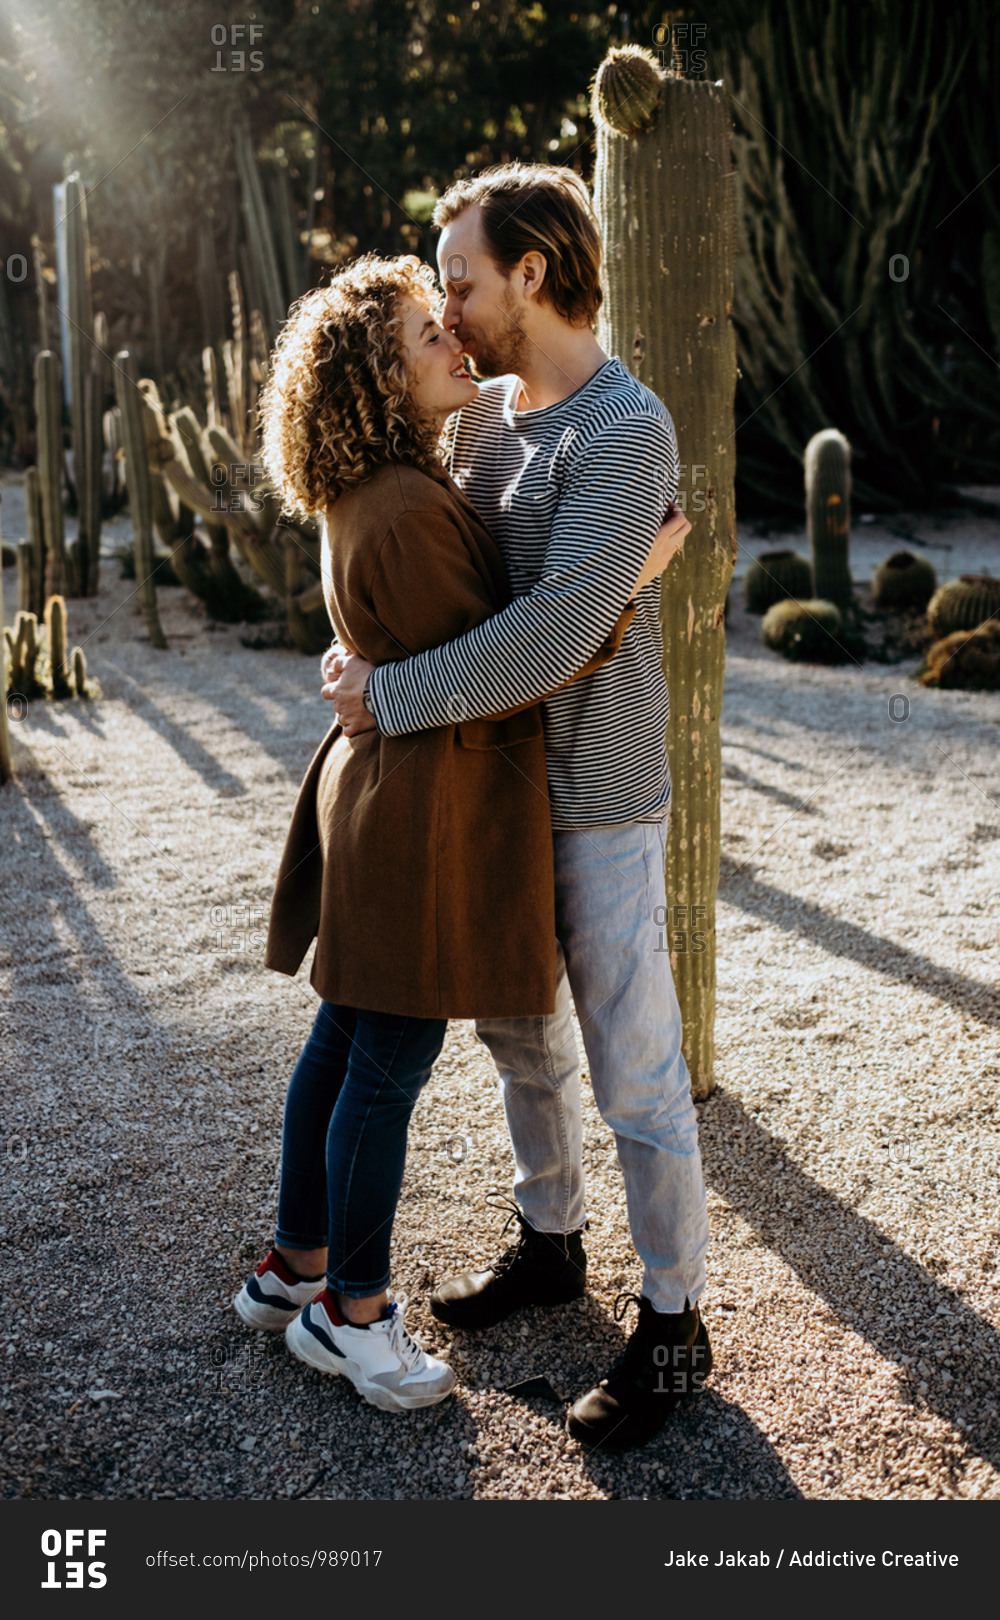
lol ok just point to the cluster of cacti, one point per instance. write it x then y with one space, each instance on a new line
774 575
665 200
805 631
903 582
834 299
36 667
966 660
828 516
963 603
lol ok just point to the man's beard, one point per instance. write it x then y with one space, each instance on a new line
502 350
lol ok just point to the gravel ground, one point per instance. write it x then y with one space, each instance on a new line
851 1149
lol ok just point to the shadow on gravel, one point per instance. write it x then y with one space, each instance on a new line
836 1252
191 752
738 887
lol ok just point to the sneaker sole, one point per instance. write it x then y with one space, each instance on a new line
302 1345
268 1317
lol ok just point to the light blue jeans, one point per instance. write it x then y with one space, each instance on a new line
611 933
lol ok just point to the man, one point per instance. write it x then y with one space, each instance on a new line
572 463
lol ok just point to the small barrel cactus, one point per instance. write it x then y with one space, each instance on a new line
55 625
774 575
22 653
967 660
963 604
903 581
828 515
803 630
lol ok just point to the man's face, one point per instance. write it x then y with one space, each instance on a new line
481 306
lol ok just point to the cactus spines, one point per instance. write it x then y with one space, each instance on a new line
803 630
55 627
903 581
966 660
676 287
48 416
132 407
80 673
626 90
774 575
963 603
828 515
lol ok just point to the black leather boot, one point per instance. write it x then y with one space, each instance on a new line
541 1268
667 1359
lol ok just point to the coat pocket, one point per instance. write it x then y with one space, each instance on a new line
516 728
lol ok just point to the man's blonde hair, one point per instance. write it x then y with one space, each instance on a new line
537 207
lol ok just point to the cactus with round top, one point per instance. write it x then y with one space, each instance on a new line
79 668
132 407
774 575
965 661
903 582
963 604
55 630
664 159
828 516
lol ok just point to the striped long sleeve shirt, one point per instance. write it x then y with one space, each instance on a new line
574 495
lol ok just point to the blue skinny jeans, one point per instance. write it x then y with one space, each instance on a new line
343 1146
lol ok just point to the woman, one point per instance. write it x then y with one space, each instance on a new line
422 864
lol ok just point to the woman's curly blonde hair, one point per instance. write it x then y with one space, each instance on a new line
335 403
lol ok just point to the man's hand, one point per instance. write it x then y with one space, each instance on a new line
668 542
344 677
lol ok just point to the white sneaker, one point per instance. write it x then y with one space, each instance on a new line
273 1294
384 1363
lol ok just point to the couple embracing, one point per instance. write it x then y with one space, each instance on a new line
481 834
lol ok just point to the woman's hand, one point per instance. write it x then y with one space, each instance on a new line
332 666
668 542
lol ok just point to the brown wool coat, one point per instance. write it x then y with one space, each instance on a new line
422 864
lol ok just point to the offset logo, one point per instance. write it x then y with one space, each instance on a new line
66 1567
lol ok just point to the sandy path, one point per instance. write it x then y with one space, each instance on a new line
851 1150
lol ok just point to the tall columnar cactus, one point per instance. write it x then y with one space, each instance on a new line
664 196
260 240
132 407
59 567
828 515
86 400
36 540
55 630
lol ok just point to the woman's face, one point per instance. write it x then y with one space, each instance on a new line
439 382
